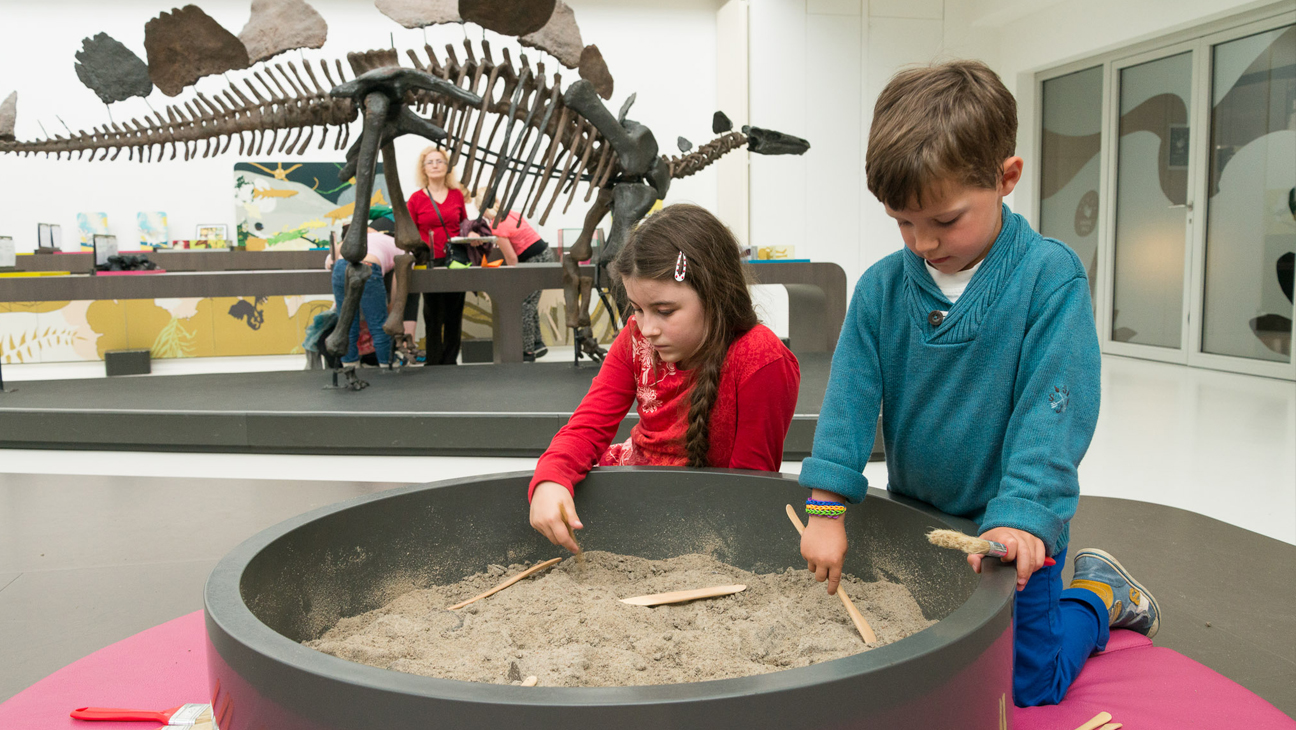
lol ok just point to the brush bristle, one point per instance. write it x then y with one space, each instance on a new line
958 541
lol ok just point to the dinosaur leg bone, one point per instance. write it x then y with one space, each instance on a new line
356 276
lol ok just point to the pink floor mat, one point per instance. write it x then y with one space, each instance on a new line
156 669
1143 687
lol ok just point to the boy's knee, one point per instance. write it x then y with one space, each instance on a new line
1040 688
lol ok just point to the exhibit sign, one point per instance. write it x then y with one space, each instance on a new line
89 225
152 229
49 236
8 256
104 247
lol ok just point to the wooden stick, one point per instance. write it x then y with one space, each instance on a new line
658 599
865 631
1111 726
533 569
1098 720
580 554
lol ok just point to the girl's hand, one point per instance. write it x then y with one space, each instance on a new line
823 545
1023 547
547 504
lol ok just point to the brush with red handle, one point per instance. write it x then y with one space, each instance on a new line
183 716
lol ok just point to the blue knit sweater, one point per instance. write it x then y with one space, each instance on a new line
985 415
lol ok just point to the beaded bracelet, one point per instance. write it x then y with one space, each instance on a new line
831 510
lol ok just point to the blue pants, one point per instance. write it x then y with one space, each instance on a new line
373 307
1054 632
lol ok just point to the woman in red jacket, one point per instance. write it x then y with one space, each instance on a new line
437 209
712 385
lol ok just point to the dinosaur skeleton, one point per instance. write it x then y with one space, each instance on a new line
452 102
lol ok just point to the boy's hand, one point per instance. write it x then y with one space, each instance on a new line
1023 547
547 502
823 545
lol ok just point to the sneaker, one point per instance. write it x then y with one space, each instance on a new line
541 351
1129 605
528 357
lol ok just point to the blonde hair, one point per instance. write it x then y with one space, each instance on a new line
479 196
953 120
420 175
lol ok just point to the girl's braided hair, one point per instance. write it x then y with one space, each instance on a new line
715 272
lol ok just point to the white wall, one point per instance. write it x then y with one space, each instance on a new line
665 51
1036 35
817 68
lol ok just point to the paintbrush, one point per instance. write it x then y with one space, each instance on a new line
191 715
955 540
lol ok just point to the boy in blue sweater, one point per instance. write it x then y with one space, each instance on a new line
977 342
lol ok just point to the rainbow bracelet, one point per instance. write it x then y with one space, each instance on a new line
818 508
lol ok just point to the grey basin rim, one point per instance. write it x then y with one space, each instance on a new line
238 623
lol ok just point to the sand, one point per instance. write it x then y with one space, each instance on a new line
566 626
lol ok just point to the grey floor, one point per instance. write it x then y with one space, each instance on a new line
88 560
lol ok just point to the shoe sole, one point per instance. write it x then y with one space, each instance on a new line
1114 563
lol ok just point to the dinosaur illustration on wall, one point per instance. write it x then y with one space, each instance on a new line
544 141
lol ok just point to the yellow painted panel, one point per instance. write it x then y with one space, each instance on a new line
254 326
177 332
36 307
107 320
144 320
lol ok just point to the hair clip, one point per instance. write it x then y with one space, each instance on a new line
681 266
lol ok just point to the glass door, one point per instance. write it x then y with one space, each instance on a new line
1243 273
1152 222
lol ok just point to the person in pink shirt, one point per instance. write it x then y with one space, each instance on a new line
373 300
520 244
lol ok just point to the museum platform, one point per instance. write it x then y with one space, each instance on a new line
502 409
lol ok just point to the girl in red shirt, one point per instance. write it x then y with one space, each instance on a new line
713 386
437 208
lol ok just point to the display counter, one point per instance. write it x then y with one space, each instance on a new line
213 260
816 291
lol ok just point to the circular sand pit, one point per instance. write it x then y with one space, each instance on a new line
292 583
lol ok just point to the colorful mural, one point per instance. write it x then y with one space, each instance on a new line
170 328
294 206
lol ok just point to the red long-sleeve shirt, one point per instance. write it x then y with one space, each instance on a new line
749 419
429 225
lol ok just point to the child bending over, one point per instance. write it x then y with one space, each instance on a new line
712 386
977 342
